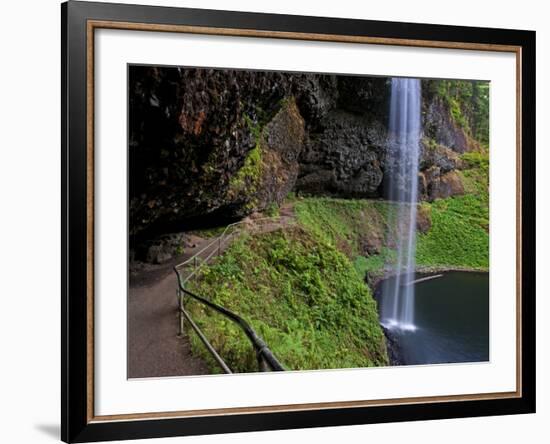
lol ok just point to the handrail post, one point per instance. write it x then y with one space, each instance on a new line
265 358
180 312
262 365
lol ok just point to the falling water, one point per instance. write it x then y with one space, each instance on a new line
397 310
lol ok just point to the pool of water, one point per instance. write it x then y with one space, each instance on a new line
451 321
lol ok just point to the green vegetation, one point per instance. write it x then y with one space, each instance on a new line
302 287
272 210
255 128
475 178
458 236
349 224
247 179
374 265
476 160
300 294
344 223
468 103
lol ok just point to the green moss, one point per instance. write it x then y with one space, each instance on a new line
375 265
476 160
301 295
292 197
425 211
250 172
456 113
360 265
272 210
255 128
468 104
344 222
458 236
429 143
302 288
247 179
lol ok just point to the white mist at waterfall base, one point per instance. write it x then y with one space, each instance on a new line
397 311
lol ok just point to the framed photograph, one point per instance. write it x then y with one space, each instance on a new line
276 221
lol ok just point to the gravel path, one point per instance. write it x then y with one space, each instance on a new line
154 349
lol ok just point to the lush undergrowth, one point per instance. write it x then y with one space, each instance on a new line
460 225
302 287
347 224
458 236
300 294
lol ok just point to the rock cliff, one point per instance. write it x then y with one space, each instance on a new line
206 146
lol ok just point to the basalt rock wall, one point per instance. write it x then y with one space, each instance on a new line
212 145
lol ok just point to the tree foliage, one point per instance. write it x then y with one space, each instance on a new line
468 103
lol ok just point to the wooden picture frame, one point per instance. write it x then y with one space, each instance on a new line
79 22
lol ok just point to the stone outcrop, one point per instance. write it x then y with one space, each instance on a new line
435 184
271 168
345 158
209 146
423 219
191 131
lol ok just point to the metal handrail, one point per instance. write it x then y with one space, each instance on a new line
264 355
223 238
266 359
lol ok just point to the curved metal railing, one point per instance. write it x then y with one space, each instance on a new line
266 359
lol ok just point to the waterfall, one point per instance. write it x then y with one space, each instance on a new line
401 176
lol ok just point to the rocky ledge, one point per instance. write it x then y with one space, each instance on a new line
216 145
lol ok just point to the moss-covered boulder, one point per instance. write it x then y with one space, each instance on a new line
270 169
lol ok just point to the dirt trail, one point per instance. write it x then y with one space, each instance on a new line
154 349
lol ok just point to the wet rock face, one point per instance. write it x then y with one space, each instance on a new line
192 131
437 185
433 154
395 352
345 158
438 177
217 145
439 125
366 96
282 145
269 171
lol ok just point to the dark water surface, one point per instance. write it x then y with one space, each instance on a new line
451 319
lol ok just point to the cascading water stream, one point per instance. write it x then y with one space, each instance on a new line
397 310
